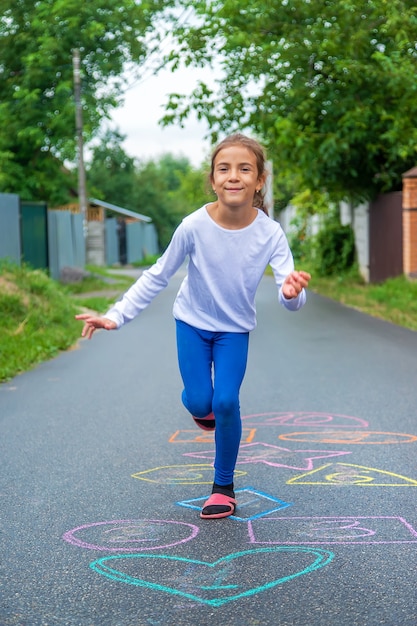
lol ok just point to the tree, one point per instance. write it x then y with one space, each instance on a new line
37 39
328 85
111 174
165 190
169 190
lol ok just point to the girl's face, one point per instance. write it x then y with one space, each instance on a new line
235 176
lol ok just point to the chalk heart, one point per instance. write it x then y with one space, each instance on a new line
232 577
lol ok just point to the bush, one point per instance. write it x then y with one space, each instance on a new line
335 248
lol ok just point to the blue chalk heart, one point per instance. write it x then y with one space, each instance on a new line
234 576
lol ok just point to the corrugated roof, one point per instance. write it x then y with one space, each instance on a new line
120 210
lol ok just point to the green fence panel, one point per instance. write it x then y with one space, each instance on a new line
34 234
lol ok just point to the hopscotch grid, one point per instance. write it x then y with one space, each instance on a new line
317 430
345 518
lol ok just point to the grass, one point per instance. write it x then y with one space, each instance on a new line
394 301
37 313
36 319
99 279
148 260
101 289
101 304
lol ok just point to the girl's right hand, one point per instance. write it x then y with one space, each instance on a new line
294 283
92 322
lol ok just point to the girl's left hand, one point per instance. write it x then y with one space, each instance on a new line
92 322
294 283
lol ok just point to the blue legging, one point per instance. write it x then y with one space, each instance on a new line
212 366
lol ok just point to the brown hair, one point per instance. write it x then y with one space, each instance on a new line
258 151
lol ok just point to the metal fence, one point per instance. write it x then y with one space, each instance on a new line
55 239
10 246
66 241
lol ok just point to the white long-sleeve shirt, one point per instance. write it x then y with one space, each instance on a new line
224 270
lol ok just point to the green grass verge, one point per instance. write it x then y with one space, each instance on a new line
101 304
36 319
394 301
99 280
37 313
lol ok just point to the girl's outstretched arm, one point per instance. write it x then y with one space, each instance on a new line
92 322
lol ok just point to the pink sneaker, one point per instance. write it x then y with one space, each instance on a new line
205 423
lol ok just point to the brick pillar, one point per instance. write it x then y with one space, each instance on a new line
410 222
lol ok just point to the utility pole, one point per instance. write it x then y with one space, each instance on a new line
82 187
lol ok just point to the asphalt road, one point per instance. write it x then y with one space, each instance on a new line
103 474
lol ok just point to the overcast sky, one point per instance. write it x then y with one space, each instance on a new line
143 107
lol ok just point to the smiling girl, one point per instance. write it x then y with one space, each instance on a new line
229 243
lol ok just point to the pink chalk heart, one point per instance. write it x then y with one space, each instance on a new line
235 576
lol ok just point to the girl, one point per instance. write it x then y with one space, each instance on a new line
229 243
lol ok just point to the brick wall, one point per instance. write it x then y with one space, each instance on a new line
410 222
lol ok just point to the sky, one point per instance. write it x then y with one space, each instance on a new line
137 118
143 107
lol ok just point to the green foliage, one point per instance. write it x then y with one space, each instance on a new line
310 203
158 187
36 320
307 203
334 248
165 190
329 87
301 245
37 112
111 172
170 189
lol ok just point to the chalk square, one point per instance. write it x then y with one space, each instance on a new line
191 436
331 530
251 502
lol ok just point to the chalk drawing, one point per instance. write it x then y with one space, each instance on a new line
331 530
349 437
190 436
130 535
130 544
274 456
352 475
196 474
251 504
235 576
304 418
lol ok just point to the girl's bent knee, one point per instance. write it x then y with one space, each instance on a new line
226 407
197 406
